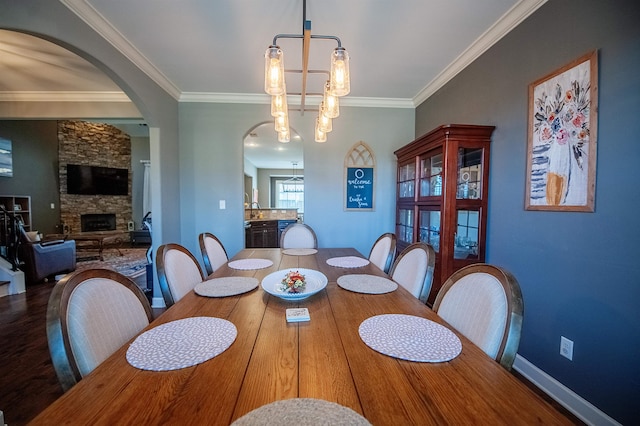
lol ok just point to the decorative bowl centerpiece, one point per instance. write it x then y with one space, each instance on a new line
294 283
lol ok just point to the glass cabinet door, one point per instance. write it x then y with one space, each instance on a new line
406 180
467 234
431 175
469 173
405 225
430 228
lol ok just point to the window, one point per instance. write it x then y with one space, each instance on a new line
288 193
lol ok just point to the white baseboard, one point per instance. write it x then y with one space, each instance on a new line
158 302
573 402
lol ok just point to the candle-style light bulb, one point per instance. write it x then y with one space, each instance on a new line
274 71
340 81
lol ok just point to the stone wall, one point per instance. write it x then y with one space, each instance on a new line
92 144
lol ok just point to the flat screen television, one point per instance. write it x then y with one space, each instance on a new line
96 180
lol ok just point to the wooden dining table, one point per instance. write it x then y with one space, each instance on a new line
324 358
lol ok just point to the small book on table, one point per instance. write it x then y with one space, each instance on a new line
297 314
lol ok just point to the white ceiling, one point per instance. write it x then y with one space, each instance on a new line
401 51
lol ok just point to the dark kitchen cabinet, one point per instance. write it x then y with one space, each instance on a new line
262 234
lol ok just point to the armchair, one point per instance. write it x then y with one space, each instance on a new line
42 259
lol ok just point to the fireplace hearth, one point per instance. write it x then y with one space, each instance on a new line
98 222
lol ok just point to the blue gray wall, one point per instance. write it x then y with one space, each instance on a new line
579 272
211 162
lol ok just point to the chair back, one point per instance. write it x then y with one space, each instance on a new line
383 251
413 269
91 314
213 253
298 235
484 303
178 272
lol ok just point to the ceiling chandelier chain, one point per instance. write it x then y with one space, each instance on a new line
337 85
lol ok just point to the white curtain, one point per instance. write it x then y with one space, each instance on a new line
146 189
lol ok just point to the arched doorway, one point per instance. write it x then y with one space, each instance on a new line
35 70
267 164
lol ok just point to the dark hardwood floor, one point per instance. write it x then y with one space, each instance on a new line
28 383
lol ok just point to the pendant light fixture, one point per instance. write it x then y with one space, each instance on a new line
274 71
331 103
339 85
294 183
274 82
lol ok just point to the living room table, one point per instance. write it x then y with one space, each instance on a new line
96 241
324 358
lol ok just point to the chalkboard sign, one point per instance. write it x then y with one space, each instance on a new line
359 188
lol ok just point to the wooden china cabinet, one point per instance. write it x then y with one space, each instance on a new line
442 193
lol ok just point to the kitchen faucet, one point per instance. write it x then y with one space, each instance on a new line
251 216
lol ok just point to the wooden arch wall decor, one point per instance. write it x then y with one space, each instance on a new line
359 177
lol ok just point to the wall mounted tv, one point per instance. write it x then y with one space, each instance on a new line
96 180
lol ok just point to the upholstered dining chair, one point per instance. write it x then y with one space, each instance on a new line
383 251
213 253
413 269
298 235
92 313
178 272
484 303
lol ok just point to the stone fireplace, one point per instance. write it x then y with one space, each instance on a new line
97 222
94 144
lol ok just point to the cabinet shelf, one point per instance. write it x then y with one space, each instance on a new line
20 205
442 193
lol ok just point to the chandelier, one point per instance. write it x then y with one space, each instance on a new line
337 85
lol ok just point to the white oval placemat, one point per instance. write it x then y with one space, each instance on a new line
299 251
369 284
409 337
301 412
181 343
246 264
347 262
226 286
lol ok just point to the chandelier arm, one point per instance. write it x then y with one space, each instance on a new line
325 37
328 37
306 109
277 36
308 71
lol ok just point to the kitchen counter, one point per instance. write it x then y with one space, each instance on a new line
270 214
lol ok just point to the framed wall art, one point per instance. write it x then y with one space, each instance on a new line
562 138
359 176
6 158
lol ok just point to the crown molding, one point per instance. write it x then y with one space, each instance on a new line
62 96
378 102
257 98
511 19
225 98
98 23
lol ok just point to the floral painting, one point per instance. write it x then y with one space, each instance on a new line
562 138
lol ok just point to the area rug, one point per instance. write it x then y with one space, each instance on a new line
132 263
